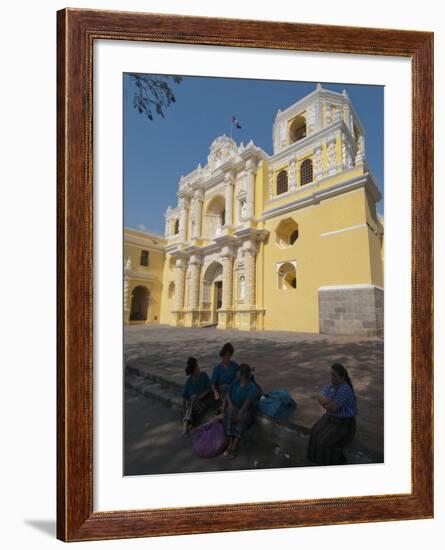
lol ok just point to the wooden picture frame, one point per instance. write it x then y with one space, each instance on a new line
77 31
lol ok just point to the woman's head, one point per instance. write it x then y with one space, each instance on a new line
244 371
339 374
192 365
226 352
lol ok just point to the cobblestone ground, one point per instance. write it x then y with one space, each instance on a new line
154 445
296 362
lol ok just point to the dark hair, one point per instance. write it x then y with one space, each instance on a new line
244 370
341 371
226 349
192 363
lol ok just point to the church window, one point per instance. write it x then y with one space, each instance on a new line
287 276
282 182
144 257
176 228
306 172
287 233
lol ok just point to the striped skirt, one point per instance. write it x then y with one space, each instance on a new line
329 435
236 429
195 408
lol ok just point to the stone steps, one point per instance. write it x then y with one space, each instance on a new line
282 432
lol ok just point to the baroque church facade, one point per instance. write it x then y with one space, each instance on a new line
289 241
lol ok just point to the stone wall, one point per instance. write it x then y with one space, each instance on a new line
355 310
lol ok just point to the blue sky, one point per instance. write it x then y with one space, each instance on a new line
158 152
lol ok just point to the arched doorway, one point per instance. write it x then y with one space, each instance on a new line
139 304
212 290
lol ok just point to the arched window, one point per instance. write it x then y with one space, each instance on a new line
144 257
287 276
282 182
176 226
297 129
306 172
287 233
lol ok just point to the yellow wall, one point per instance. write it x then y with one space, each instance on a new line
147 276
336 259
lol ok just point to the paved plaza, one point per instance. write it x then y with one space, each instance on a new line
296 362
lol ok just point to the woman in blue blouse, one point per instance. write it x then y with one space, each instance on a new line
238 410
336 428
195 394
224 373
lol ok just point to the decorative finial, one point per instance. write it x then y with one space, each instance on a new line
319 86
345 94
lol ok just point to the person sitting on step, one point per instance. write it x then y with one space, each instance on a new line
195 394
224 373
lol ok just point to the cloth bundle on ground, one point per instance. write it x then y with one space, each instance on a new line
278 404
209 440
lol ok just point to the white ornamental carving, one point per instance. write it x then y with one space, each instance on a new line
332 160
347 155
310 121
222 150
328 114
318 163
283 135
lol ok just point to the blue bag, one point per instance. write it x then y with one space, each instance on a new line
277 404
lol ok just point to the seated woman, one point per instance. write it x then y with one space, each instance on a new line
337 426
195 394
238 411
224 373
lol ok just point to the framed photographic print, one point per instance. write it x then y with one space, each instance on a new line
245 226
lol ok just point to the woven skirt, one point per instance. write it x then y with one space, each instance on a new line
236 429
196 408
329 435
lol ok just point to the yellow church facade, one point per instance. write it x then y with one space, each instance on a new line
290 241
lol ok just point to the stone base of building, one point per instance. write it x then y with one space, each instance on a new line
191 318
225 319
352 310
179 318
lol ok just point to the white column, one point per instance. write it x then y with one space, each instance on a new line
318 115
183 220
347 116
127 270
360 156
197 213
293 173
227 287
270 183
250 188
346 152
250 272
180 282
229 181
195 270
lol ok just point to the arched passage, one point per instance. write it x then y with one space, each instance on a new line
212 288
139 303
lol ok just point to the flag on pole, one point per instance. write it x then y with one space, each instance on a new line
235 123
